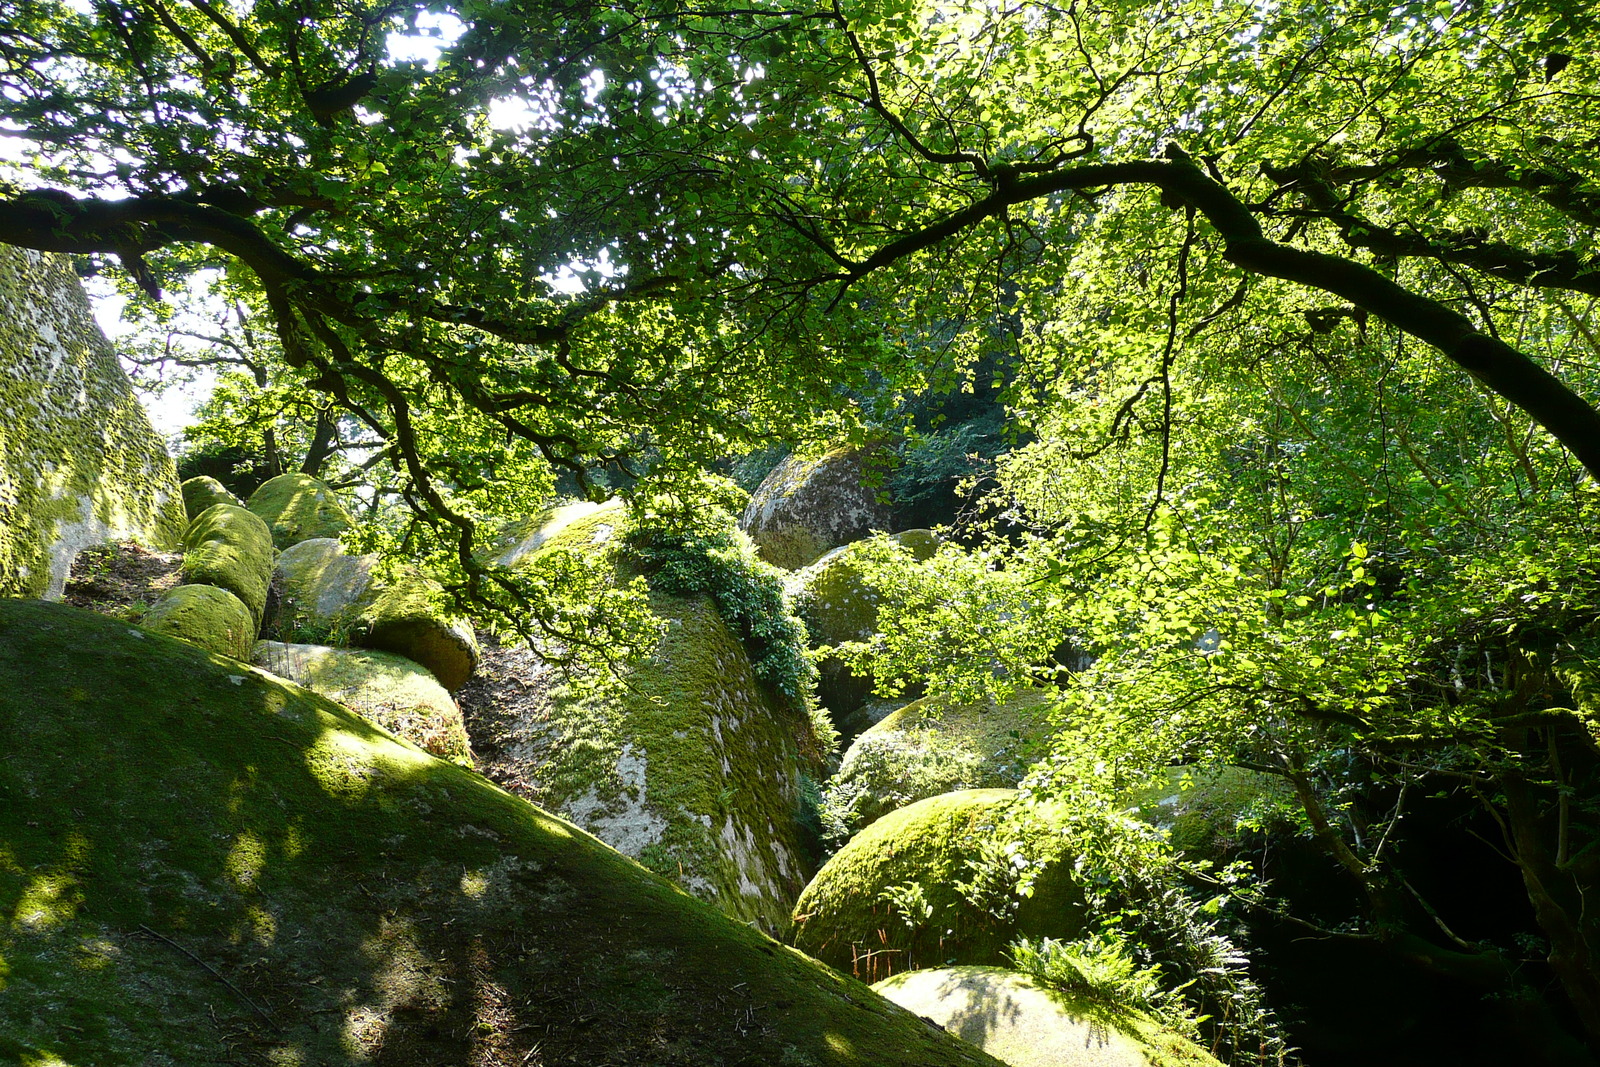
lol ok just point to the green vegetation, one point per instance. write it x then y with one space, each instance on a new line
1279 329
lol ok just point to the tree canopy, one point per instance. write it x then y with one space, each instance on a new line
1291 308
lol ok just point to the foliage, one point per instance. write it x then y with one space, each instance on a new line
1099 968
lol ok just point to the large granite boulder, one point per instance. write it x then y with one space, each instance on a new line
694 767
835 601
298 507
951 879
399 695
331 597
79 462
204 864
935 746
806 507
201 492
229 547
204 615
1017 1020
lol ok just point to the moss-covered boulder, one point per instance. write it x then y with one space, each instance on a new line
79 462
298 507
694 767
519 539
806 507
837 604
1025 1024
231 548
202 864
398 694
1212 812
935 746
202 492
951 879
330 597
204 615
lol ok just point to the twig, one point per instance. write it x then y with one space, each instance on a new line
215 974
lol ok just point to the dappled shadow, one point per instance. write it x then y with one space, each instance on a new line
202 863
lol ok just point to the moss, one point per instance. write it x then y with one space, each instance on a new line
396 693
298 507
79 463
807 506
933 746
1015 1019
231 548
694 766
203 864
1210 812
202 492
937 882
204 615
333 598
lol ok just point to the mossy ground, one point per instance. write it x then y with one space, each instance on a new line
1016 1019
203 865
893 898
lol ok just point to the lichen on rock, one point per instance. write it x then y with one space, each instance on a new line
1018 1020
231 548
806 507
951 879
298 507
692 765
79 462
398 694
204 615
934 746
203 862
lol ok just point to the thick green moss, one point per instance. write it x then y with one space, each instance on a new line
333 598
1017 1020
79 463
201 864
204 615
935 883
398 694
204 491
298 507
933 746
231 548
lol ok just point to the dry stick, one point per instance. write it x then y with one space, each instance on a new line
215 974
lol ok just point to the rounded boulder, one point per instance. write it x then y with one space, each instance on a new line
204 615
298 507
231 548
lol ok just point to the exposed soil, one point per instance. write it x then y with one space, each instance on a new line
503 704
120 578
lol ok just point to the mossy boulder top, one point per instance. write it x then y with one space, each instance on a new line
695 768
80 464
203 864
398 694
1209 812
936 882
230 547
329 595
204 615
807 506
203 491
520 540
1017 1020
298 507
934 746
